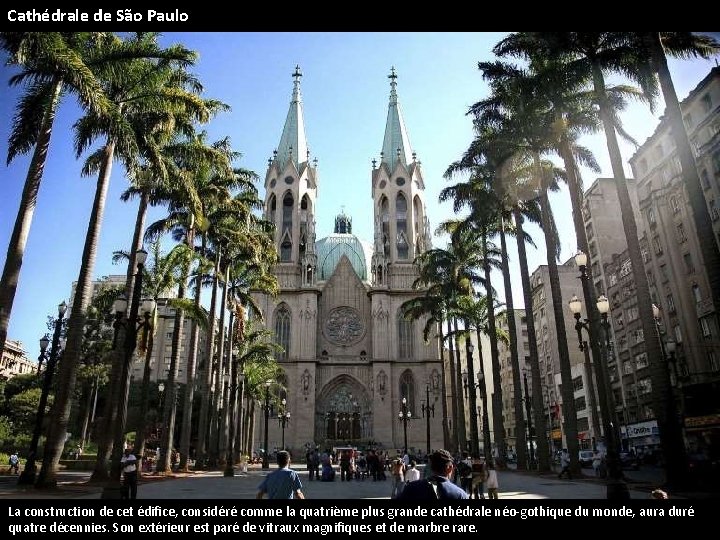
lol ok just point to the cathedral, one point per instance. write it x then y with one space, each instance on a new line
352 365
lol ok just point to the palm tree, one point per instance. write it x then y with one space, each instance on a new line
52 64
145 96
593 54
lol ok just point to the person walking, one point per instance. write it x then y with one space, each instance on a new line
397 470
565 464
284 483
492 481
129 467
14 463
412 473
438 486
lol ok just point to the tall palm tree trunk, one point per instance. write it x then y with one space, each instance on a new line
186 428
485 421
461 432
472 395
671 440
497 404
521 445
443 404
55 441
225 418
28 201
541 439
206 376
568 404
454 396
590 295
170 406
141 421
215 426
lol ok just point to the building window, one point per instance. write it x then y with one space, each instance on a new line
577 384
670 303
651 278
644 386
612 278
405 342
696 293
682 236
625 268
627 367
651 216
641 361
656 245
678 333
675 205
706 101
663 272
287 228
705 327
282 331
272 208
580 404
705 179
689 266
407 390
639 335
714 214
401 225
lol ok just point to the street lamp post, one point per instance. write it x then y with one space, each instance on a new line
30 470
133 324
474 442
616 486
427 410
485 417
283 419
528 412
265 461
404 416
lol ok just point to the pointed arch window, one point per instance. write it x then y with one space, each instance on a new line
407 390
401 207
385 217
282 331
405 335
271 209
287 224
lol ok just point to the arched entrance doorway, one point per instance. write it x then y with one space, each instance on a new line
343 416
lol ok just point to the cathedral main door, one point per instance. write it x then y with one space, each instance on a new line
343 416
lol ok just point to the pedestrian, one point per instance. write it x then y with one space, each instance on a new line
438 486
565 464
397 471
596 462
284 483
412 473
14 463
492 481
129 468
479 476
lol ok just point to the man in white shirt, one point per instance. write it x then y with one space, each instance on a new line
129 468
412 473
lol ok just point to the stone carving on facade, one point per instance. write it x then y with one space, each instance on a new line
435 382
382 384
305 381
344 326
380 313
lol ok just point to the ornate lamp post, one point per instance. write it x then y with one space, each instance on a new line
265 461
283 419
427 411
485 418
30 471
404 416
616 486
132 325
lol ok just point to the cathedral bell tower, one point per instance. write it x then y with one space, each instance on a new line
290 196
398 191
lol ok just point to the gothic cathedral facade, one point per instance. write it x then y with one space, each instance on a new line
350 357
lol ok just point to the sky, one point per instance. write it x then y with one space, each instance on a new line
345 93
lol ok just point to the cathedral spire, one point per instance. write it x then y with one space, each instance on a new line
293 143
396 144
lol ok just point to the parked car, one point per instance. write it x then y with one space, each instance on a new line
586 458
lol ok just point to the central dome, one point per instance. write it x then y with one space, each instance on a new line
342 242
